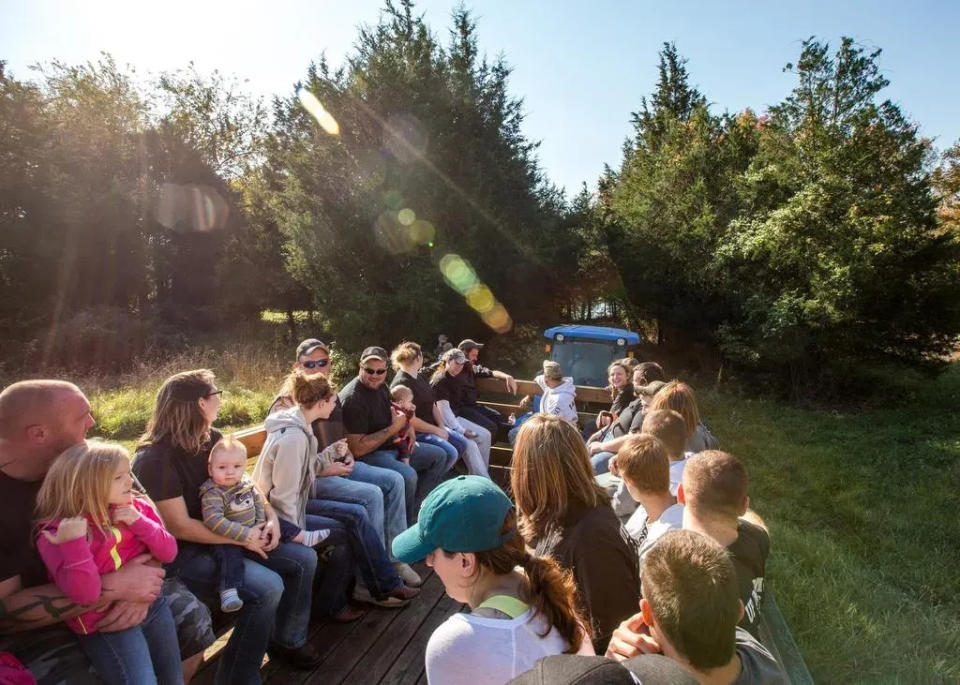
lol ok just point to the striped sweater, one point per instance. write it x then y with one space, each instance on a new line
231 512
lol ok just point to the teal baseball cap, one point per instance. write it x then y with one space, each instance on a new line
463 514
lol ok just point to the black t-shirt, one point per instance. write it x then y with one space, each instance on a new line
467 379
593 544
365 411
423 395
447 387
168 472
18 553
749 553
630 420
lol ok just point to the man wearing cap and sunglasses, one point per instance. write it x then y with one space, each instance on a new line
469 408
371 423
381 492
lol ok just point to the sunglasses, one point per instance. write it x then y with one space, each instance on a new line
317 364
374 372
215 392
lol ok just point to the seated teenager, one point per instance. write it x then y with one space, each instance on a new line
630 421
679 397
286 471
371 425
171 463
714 495
565 515
619 374
689 613
668 427
447 391
39 419
559 397
470 408
428 421
522 607
645 469
380 491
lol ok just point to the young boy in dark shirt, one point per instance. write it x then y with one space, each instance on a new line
714 495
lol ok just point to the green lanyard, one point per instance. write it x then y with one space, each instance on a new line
511 606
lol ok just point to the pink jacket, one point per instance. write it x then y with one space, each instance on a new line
76 566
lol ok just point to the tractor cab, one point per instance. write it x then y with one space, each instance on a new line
585 352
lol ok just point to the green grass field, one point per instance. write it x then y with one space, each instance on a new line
861 504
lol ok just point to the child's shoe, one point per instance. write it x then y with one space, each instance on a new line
230 601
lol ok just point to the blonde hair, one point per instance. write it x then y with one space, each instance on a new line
404 353
551 467
397 392
227 443
78 484
680 398
177 416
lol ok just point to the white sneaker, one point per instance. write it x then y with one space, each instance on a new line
407 574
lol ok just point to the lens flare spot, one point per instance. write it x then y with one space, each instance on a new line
318 112
422 232
458 273
406 216
481 299
498 319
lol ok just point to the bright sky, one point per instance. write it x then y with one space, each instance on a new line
581 67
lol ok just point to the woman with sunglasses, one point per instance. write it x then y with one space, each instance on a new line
379 491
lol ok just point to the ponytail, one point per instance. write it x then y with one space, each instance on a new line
307 390
553 594
439 371
550 590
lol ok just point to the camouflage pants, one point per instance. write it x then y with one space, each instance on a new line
54 657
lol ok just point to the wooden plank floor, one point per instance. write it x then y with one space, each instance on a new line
385 646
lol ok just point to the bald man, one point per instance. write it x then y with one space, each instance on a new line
39 420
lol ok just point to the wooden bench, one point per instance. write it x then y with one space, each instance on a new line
773 629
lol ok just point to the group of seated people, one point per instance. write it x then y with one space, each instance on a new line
103 557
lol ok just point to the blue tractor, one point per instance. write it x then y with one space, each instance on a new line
585 352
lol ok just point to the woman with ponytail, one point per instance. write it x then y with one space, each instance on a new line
523 607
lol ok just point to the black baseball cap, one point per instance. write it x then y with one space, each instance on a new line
375 353
574 669
468 344
309 345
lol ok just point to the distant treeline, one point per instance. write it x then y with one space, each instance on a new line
397 195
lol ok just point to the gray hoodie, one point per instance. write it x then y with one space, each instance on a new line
288 464
561 400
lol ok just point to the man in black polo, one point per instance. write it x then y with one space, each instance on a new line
371 425
470 409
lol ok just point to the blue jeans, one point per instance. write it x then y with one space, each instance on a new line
392 488
427 465
600 462
454 445
367 495
349 525
276 602
147 653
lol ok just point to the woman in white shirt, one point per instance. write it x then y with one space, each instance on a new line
522 606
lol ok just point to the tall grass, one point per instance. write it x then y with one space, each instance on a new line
862 506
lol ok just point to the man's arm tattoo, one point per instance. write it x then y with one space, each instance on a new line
55 608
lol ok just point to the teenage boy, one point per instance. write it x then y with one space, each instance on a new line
469 407
667 426
645 470
689 611
714 495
